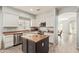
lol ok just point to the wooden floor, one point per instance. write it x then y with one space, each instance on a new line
65 46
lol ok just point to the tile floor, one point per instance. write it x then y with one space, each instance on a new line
64 46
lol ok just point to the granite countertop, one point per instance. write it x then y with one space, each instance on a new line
34 37
23 31
15 32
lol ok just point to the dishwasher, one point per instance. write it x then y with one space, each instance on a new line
17 39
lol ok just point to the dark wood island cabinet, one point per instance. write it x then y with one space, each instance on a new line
35 44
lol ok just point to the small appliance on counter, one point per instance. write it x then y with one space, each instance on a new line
41 32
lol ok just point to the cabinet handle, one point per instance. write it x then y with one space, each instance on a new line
42 44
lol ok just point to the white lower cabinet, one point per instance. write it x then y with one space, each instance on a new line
51 40
0 42
7 41
8 44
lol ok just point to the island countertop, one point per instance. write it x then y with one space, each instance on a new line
34 37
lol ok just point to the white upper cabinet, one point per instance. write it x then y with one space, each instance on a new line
9 10
10 17
48 17
10 20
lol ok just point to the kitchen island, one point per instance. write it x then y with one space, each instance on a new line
35 43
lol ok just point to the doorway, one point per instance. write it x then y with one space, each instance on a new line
67 39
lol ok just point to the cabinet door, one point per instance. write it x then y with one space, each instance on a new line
51 40
8 38
10 20
8 44
0 42
43 46
8 41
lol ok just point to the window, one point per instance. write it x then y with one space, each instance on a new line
24 23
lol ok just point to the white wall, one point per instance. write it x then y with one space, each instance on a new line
65 30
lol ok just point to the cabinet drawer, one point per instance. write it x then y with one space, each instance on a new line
8 44
8 38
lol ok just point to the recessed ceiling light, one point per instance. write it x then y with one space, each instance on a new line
36 9
31 9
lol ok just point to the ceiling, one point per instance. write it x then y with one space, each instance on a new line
35 9
67 16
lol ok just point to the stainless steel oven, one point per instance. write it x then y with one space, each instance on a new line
17 38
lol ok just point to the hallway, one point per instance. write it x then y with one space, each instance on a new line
66 46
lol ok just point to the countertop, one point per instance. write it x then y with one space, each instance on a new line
15 32
23 31
34 37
